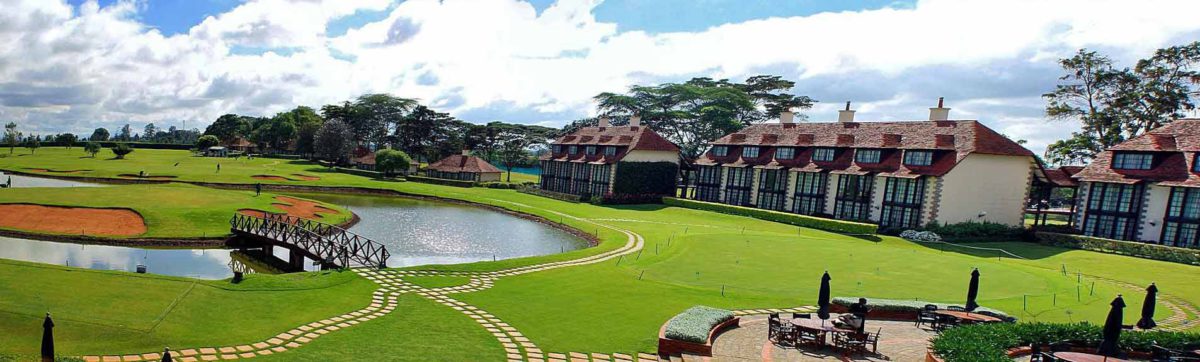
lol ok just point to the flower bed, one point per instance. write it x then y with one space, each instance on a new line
1000 341
904 309
848 227
693 331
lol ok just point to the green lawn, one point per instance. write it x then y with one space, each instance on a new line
170 211
437 281
690 257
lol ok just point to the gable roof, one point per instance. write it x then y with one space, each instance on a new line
952 141
463 164
1175 146
624 138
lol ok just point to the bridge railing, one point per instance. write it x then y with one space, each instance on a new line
329 242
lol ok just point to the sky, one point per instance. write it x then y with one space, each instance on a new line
75 65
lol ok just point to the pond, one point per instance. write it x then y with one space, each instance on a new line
416 232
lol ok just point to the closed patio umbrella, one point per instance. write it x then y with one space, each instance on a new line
973 291
1147 320
823 298
1112 328
47 339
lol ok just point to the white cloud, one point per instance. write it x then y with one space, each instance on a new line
73 69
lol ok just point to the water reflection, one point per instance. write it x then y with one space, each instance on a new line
420 232
19 181
195 263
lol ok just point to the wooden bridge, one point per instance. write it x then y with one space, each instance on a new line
331 246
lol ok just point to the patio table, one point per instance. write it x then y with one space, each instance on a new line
816 325
968 316
1085 357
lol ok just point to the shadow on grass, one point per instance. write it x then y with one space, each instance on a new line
1026 250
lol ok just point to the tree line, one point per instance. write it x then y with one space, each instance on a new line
1114 104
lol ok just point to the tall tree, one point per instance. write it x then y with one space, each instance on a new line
334 141
149 132
66 139
420 131
374 115
11 136
33 143
514 149
99 135
1158 89
1086 94
229 127
125 134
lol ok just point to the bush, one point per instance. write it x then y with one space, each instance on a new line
1131 248
921 236
840 226
441 181
989 342
645 178
895 305
627 199
91 148
121 149
530 189
206 141
389 160
694 324
977 231
506 185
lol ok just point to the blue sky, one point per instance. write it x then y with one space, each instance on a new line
76 67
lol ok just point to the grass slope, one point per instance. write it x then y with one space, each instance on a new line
170 211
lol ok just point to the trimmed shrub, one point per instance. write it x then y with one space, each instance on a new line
921 236
530 189
121 149
1131 248
627 199
989 342
977 231
388 160
206 141
503 185
896 305
694 323
840 226
639 178
441 181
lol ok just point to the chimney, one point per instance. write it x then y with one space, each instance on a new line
466 152
603 121
786 117
635 120
846 115
940 113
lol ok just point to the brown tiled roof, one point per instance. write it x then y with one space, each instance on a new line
239 142
1175 146
1061 176
624 138
460 163
367 159
951 140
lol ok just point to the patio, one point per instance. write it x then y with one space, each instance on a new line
899 341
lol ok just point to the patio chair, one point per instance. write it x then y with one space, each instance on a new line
873 340
945 322
927 316
787 333
854 343
956 308
810 337
773 325
1163 354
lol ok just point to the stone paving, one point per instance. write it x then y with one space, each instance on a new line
901 341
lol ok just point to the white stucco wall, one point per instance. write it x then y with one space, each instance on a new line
991 184
877 197
831 192
1155 203
754 172
790 201
651 156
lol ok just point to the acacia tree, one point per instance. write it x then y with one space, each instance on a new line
11 136
91 148
514 150
99 135
334 141
33 143
66 139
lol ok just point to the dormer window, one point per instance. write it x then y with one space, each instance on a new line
1132 161
574 150
750 152
867 156
557 148
720 151
785 153
918 158
822 154
610 151
591 150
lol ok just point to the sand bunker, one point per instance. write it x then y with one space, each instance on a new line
148 177
72 220
54 171
270 178
305 177
294 207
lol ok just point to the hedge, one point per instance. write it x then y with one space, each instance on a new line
441 181
640 178
17 358
694 324
530 189
1131 248
989 342
358 172
840 226
896 305
972 231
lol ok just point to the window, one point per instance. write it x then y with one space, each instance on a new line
853 199
591 150
610 151
1112 210
557 149
902 198
737 185
574 150
600 179
1183 218
581 179
810 193
918 158
750 152
772 189
1132 161
822 154
720 151
867 156
785 153
708 183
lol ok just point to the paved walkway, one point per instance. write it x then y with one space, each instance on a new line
900 341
